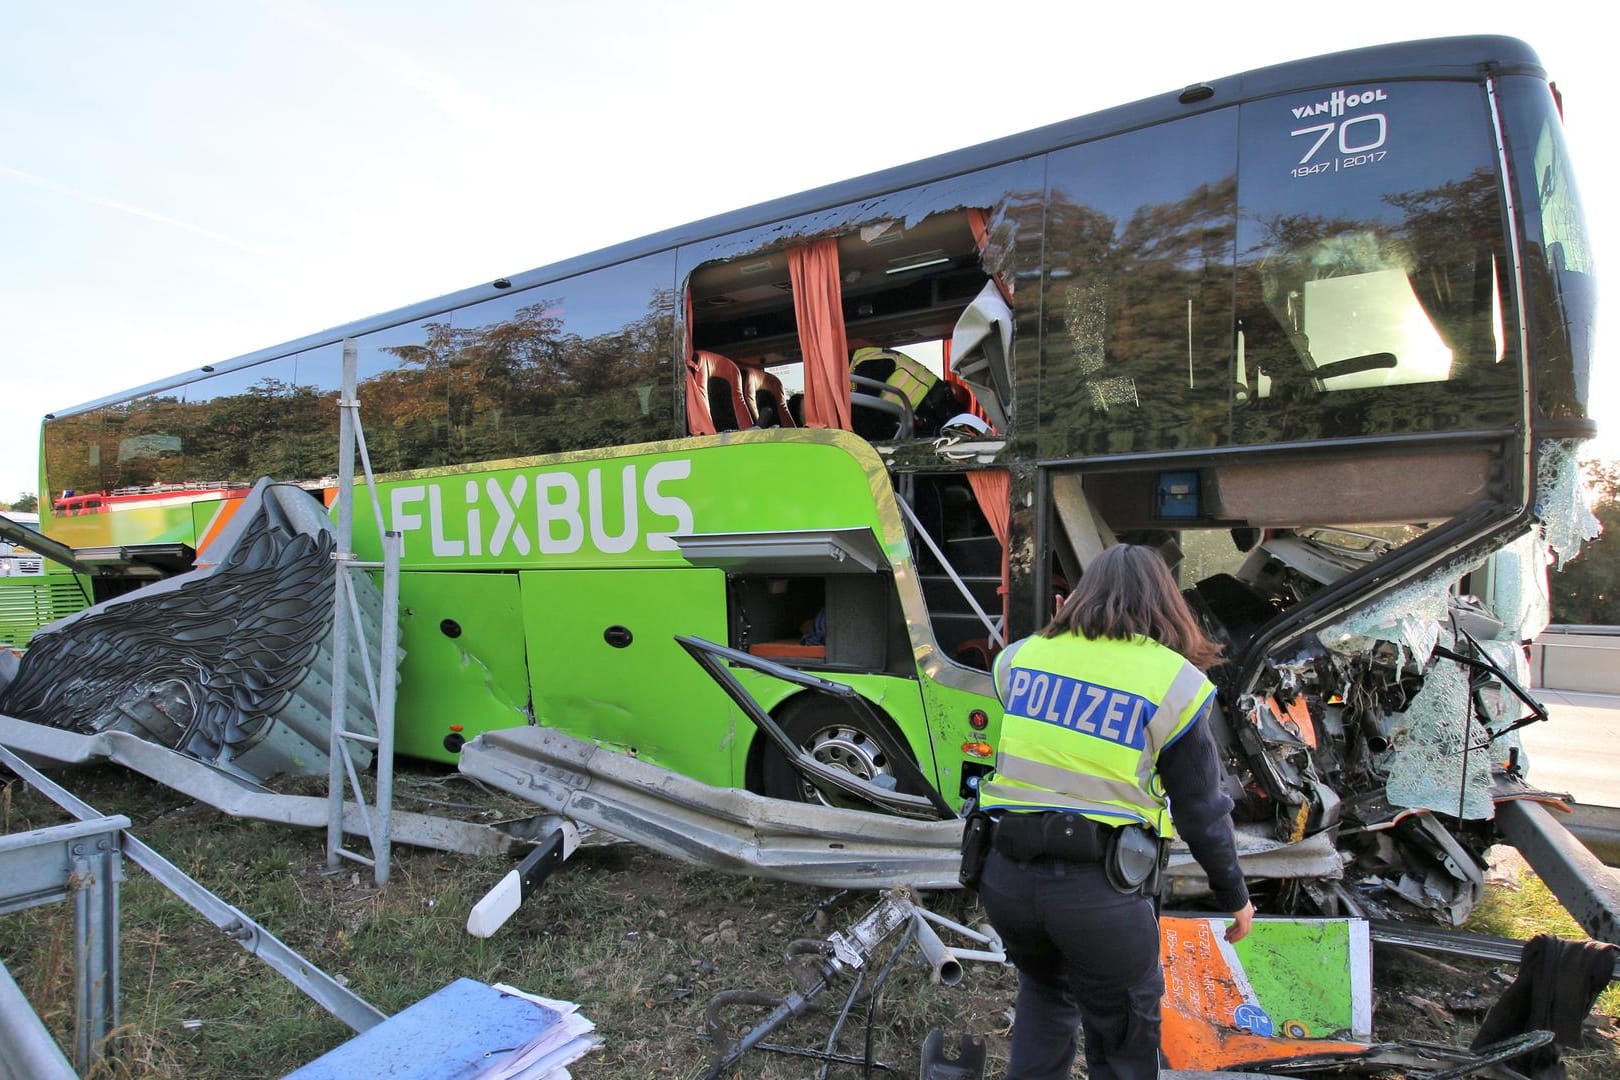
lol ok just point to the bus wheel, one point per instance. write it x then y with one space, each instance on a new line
864 746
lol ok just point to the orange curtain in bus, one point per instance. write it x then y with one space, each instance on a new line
818 307
991 489
698 420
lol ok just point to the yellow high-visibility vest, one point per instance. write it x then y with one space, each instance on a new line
1084 722
909 382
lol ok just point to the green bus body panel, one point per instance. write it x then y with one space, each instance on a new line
181 522
208 517
514 570
614 508
464 660
648 698
950 709
27 603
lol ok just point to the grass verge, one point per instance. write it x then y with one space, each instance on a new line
642 942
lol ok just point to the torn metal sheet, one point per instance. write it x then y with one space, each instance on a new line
1386 735
725 828
1260 856
740 832
229 663
239 797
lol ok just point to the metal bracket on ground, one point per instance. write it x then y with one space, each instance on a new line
324 990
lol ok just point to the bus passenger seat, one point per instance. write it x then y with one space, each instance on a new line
765 398
727 406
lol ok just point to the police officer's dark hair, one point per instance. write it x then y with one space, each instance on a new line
1126 591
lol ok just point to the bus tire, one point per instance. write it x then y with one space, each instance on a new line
865 744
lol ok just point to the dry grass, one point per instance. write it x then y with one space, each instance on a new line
643 943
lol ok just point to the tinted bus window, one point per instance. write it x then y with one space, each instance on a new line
1560 286
73 453
232 425
402 395
1370 258
581 363
145 442
1138 290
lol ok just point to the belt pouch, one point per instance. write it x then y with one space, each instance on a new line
1072 837
1019 836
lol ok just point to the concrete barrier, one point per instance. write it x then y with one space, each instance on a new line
1585 659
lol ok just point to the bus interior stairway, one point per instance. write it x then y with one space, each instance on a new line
967 564
230 663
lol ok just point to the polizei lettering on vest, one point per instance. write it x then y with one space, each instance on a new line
1115 715
551 513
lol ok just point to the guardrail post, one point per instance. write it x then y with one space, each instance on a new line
94 879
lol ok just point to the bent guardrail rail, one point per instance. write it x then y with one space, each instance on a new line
1583 659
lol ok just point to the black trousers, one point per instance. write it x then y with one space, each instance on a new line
1087 957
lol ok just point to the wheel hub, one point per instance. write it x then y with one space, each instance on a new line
853 751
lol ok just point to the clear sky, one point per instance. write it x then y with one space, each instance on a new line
184 181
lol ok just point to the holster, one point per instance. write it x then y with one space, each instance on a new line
1134 859
976 833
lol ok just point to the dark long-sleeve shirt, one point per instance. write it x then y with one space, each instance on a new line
1201 809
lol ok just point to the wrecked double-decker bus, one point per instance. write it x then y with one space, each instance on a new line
1319 332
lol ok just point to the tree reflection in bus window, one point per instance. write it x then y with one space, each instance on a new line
231 425
1138 290
575 364
402 399
73 453
1368 286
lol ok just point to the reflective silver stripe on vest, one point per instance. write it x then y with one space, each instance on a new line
1181 695
1077 785
1178 699
1003 667
1026 797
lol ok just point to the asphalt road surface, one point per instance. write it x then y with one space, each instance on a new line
1578 749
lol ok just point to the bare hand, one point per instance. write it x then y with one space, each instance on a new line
1242 921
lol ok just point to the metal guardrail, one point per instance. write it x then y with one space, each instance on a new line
323 989
80 861
1583 659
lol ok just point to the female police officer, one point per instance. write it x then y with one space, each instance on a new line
1102 741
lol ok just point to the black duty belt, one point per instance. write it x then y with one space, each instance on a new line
1053 835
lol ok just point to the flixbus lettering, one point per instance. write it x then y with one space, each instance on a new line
547 512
